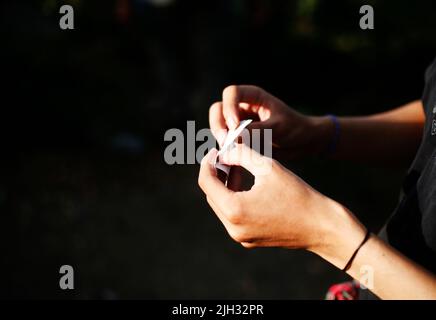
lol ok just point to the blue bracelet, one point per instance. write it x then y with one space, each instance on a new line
331 149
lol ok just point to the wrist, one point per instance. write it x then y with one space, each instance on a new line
340 234
322 131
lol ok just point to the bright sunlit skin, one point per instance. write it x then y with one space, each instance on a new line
281 210
296 135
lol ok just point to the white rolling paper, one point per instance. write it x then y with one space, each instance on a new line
229 143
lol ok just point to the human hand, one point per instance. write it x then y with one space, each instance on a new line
294 134
280 209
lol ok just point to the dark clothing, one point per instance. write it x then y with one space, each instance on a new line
412 227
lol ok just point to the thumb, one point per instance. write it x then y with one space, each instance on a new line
243 156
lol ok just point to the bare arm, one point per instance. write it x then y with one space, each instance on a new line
378 266
281 210
395 276
390 137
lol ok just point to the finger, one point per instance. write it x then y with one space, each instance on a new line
265 124
217 122
210 183
261 112
233 95
261 133
246 111
242 155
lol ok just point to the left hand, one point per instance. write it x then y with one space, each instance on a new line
280 210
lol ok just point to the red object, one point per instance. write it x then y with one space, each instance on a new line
344 291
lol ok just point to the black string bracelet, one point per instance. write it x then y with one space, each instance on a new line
348 265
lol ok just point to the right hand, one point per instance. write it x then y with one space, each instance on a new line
280 209
294 134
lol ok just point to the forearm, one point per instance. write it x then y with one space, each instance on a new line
391 274
378 266
389 137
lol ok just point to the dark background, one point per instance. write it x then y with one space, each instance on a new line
82 177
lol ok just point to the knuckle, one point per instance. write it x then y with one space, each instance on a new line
234 216
239 236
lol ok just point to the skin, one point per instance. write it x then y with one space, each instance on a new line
281 210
